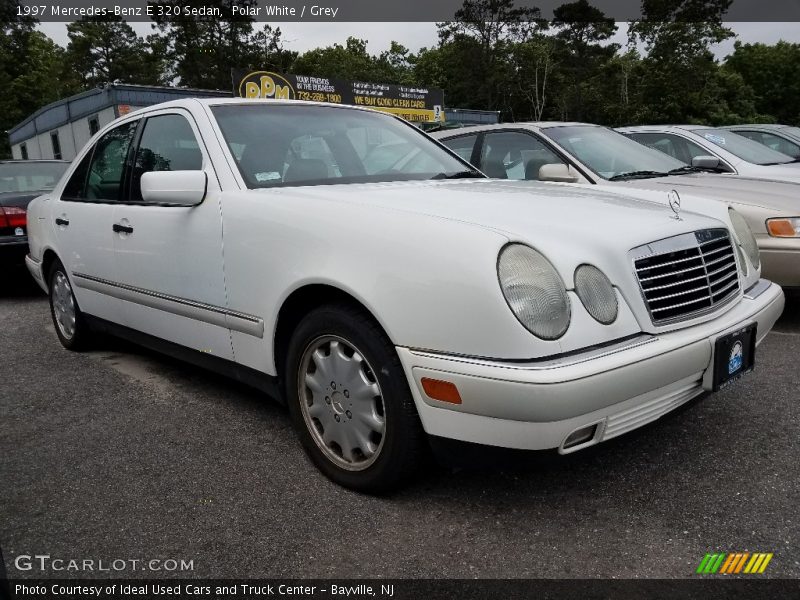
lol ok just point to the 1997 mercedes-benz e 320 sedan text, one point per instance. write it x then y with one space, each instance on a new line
386 290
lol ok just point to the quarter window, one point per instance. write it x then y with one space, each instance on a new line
23 150
108 164
94 125
168 144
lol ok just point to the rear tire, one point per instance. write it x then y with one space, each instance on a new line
350 402
71 328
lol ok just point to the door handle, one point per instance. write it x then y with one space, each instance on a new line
62 222
121 228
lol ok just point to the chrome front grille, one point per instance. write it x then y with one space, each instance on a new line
687 275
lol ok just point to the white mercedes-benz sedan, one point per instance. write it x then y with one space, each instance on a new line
391 299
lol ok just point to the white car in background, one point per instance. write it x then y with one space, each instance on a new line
717 148
250 237
579 153
782 138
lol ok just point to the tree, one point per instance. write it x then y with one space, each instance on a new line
108 50
582 30
267 51
353 61
202 50
483 32
772 73
31 68
534 61
680 66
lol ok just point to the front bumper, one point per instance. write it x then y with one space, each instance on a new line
536 405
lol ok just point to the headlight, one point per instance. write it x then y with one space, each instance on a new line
534 291
597 294
745 236
785 228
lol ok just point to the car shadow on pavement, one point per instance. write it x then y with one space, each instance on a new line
790 319
16 282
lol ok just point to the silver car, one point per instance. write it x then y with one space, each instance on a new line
718 148
591 154
783 138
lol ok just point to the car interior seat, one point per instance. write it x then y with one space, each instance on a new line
306 169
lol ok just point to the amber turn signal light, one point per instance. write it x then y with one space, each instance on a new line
782 227
444 391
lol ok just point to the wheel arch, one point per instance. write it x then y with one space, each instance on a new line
49 257
302 301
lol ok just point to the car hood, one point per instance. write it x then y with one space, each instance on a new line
534 212
782 172
781 196
18 199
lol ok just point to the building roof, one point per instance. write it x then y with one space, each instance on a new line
89 102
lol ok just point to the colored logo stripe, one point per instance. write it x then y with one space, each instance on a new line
729 563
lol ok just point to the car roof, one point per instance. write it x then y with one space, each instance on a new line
666 127
457 131
193 102
773 126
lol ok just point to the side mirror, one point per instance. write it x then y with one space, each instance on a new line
705 162
176 188
557 172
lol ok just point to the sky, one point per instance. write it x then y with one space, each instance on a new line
305 36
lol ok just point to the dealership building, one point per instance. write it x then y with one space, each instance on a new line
59 130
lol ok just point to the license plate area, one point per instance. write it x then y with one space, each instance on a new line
734 356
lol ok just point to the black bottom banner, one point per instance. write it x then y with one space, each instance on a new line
404 589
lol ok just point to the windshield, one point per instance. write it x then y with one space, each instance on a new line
609 153
30 176
746 149
290 145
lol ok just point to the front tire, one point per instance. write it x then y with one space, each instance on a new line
68 320
349 400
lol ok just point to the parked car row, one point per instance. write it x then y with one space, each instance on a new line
391 294
577 153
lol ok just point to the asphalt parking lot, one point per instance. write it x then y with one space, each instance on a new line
122 453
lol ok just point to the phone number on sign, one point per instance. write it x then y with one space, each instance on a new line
319 97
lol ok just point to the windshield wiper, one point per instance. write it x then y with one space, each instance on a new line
637 175
467 174
687 169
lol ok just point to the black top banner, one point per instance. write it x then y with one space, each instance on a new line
417 104
355 10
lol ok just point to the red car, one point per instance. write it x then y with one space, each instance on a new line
20 182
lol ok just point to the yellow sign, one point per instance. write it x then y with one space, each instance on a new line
413 103
265 84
